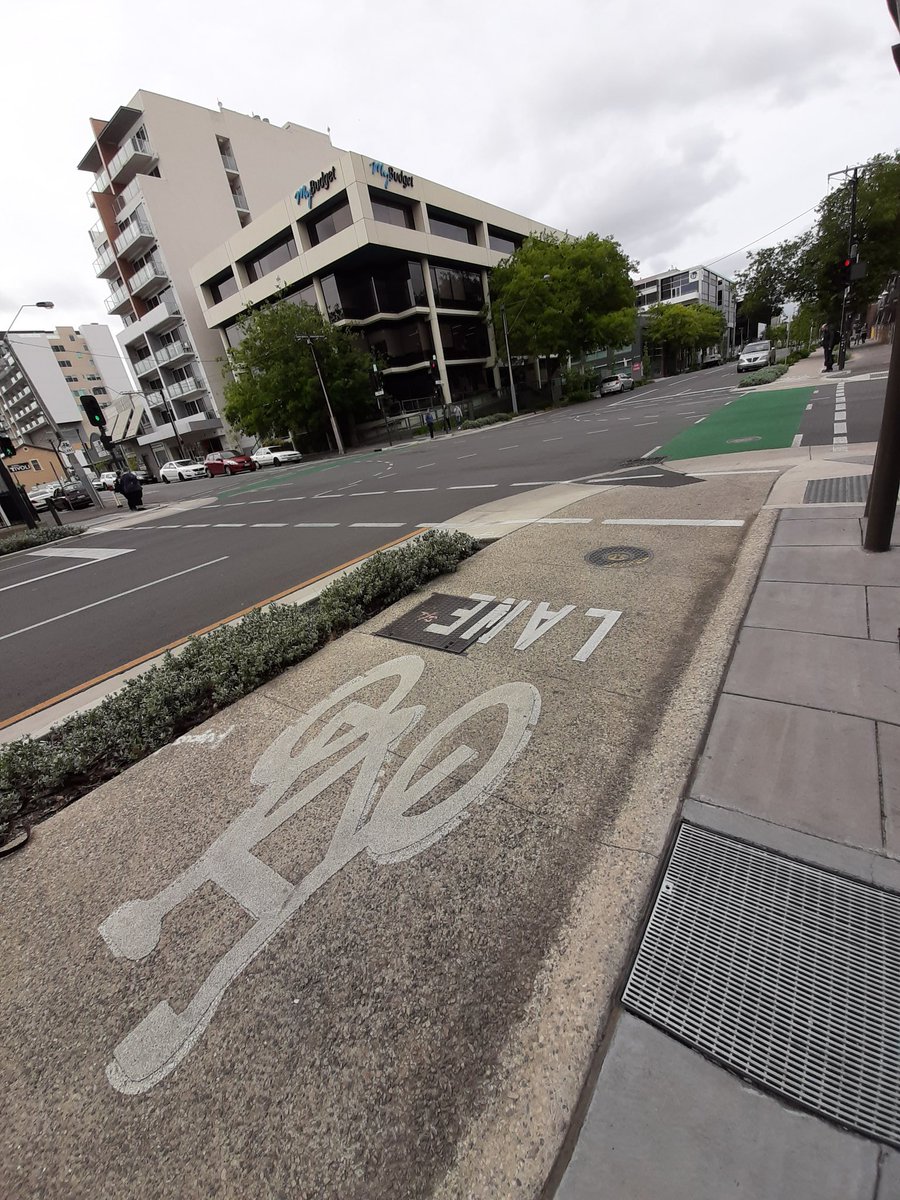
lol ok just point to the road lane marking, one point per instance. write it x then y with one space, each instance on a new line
798 438
514 446
643 424
650 453
538 483
619 478
377 524
328 496
424 465
809 407
699 419
206 526
670 521
93 557
406 491
317 525
553 439
269 525
107 599
368 493
462 456
470 487
229 525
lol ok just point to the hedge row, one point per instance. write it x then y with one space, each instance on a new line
766 375
37 537
481 422
40 776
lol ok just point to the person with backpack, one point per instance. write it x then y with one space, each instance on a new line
128 485
429 421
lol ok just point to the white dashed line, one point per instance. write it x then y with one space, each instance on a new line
514 446
229 525
555 439
195 526
328 496
377 524
643 424
670 521
470 487
461 457
809 407
317 525
650 453
699 419
406 491
537 483
269 525
424 465
368 493
798 438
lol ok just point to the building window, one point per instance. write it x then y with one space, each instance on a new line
400 343
720 298
35 465
448 225
331 222
463 338
506 243
71 378
391 211
304 295
275 253
71 337
454 288
99 391
223 286
65 362
57 348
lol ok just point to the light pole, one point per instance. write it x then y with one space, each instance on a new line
36 304
512 382
5 477
309 338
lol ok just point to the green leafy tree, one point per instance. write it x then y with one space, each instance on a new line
275 388
564 295
682 329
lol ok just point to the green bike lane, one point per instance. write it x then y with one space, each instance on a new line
754 421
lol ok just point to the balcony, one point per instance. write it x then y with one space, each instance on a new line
143 366
150 278
174 352
185 387
240 200
117 300
135 156
162 317
98 235
229 164
154 399
130 193
199 425
104 263
101 182
135 238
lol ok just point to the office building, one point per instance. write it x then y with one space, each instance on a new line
171 181
699 285
403 259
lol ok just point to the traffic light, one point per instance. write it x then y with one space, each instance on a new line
93 411
7 449
846 267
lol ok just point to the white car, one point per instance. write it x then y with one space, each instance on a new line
107 481
622 382
41 494
755 356
179 469
271 456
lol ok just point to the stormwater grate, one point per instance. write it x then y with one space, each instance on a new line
847 489
781 971
617 556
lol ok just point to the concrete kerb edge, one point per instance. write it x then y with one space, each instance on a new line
571 964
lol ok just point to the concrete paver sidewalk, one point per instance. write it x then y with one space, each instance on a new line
802 758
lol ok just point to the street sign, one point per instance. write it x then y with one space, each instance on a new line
65 447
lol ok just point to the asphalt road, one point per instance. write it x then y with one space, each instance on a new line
66 621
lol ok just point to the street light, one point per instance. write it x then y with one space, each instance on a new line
309 338
36 304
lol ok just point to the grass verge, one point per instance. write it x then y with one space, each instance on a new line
39 776
37 537
766 375
758 421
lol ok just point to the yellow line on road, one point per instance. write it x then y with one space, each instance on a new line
136 662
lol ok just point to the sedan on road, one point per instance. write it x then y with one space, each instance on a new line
271 456
228 462
107 481
72 495
41 495
755 356
179 469
621 382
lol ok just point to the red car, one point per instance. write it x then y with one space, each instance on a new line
227 462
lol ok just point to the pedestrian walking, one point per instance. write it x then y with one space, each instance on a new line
829 337
429 421
445 417
457 416
128 484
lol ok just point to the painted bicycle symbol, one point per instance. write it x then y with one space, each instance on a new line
378 818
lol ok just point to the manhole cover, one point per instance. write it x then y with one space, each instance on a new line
435 622
617 556
740 441
784 972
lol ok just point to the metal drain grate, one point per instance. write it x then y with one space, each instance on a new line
786 973
848 489
617 556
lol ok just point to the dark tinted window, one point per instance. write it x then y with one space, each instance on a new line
455 288
329 223
506 243
392 212
222 286
463 338
448 226
275 253
400 343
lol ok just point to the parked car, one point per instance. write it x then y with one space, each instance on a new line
72 495
271 456
144 476
107 481
621 382
41 495
228 462
756 355
180 469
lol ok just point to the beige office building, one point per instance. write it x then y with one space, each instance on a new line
172 181
402 259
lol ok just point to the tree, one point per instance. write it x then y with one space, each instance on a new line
275 388
564 295
681 329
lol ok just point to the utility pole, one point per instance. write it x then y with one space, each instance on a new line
884 488
309 338
852 251
509 366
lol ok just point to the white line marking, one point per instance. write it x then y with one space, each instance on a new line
538 483
317 525
840 427
424 465
462 456
668 521
699 419
809 407
619 478
368 493
840 441
229 525
514 446
798 438
101 557
93 552
106 600
193 526
469 487
328 496
270 501
559 439
281 499
269 525
650 453
406 491
643 424
377 524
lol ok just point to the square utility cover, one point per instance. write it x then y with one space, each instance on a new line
437 622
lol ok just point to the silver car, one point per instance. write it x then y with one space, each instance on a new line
755 356
622 382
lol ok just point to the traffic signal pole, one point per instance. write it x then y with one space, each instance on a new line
885 484
851 255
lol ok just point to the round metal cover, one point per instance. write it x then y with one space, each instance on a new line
617 556
739 441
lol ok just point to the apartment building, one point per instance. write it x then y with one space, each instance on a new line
45 373
171 181
699 285
403 259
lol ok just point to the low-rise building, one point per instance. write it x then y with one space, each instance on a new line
698 285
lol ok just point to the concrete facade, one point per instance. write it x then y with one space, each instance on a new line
172 180
698 285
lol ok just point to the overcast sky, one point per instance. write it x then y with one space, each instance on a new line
683 128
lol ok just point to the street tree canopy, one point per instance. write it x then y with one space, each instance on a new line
275 388
809 268
564 295
681 328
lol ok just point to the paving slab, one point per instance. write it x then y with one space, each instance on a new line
889 1176
286 955
810 608
822 512
884 613
665 1122
819 531
840 674
831 564
889 757
810 770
